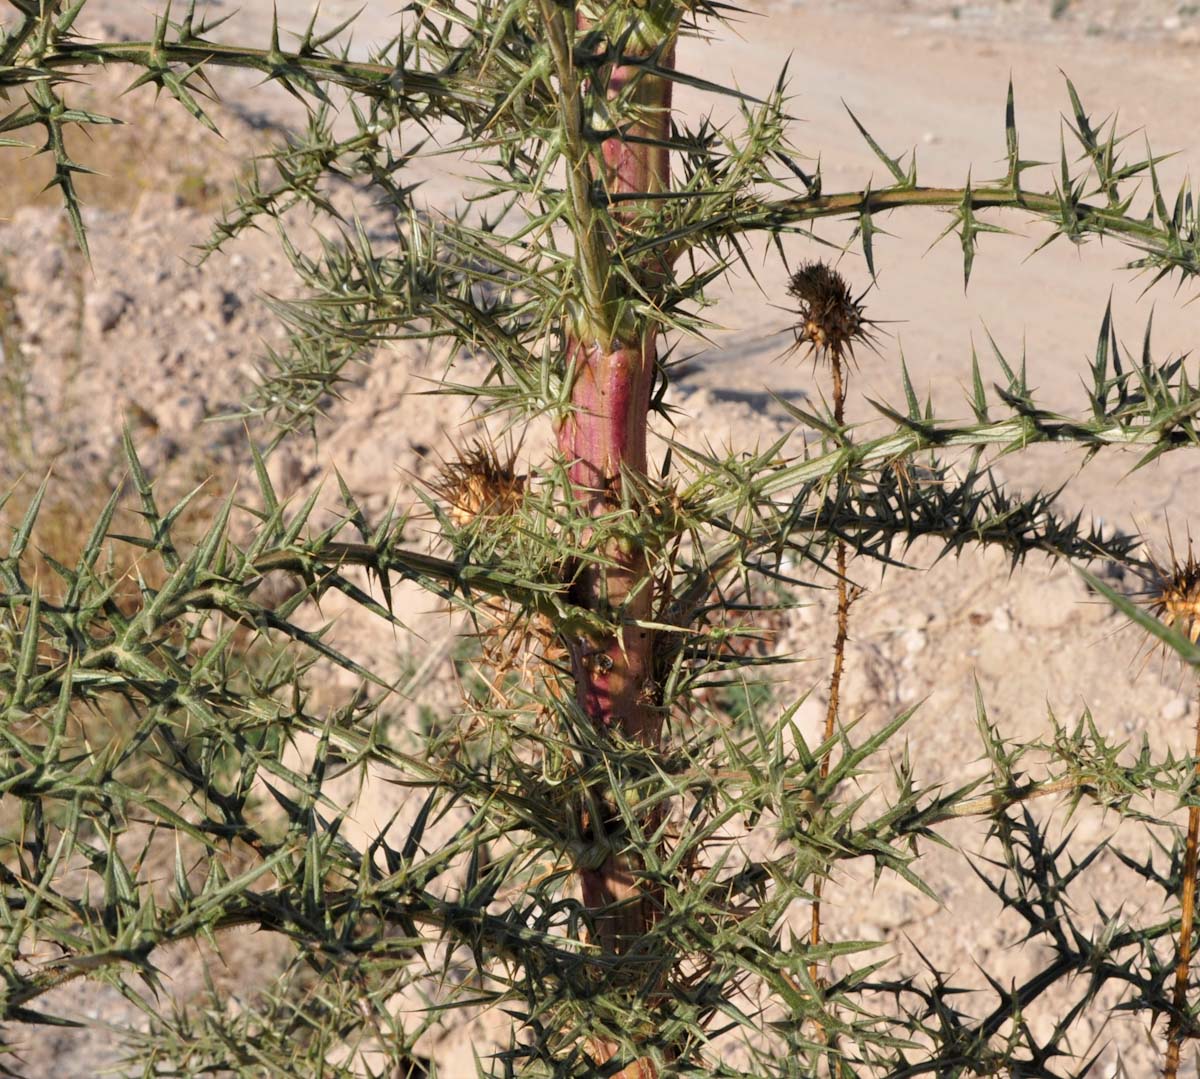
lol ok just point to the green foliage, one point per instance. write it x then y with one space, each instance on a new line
169 772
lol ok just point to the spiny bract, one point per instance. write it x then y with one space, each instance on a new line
479 485
831 317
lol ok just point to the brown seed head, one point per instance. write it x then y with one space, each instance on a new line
479 485
831 318
1174 595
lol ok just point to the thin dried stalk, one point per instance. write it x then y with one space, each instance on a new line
1187 906
845 599
831 320
831 715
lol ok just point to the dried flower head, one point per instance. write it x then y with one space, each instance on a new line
831 317
479 485
1174 594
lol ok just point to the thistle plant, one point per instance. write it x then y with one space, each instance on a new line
623 860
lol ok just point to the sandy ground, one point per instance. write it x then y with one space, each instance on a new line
171 345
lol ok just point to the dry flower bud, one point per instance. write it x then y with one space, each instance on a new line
831 317
479 485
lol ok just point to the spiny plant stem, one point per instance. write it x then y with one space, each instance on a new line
593 261
364 77
839 652
784 212
831 714
839 390
999 801
1187 907
604 439
987 805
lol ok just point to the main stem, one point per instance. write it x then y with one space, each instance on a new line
1187 906
605 438
612 358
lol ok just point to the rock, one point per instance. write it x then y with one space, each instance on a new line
230 305
49 263
1175 710
188 412
107 308
914 641
190 301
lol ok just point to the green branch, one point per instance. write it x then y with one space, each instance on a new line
792 211
1012 434
274 911
370 79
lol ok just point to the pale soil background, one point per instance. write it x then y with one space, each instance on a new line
146 335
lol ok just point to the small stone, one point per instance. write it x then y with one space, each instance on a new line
1175 710
48 266
914 641
230 305
191 301
108 308
1172 22
1001 620
185 413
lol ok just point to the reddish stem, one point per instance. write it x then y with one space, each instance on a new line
604 439
633 166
